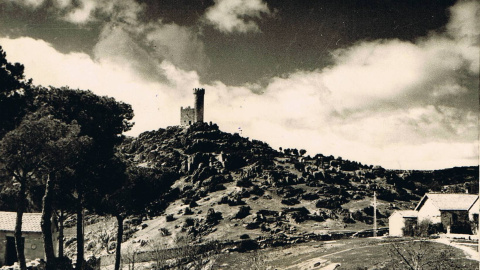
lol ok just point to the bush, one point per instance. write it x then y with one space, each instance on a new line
290 201
165 232
213 217
244 236
189 222
255 190
244 182
188 211
169 218
247 245
423 229
310 196
243 212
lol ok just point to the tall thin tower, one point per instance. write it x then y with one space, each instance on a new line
199 100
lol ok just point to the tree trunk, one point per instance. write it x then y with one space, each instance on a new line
80 248
19 242
46 225
60 234
118 251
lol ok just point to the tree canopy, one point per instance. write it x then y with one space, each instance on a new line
14 94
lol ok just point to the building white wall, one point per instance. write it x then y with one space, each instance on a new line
429 212
396 222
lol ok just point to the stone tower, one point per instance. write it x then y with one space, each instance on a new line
199 100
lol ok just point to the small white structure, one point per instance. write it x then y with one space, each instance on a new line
399 219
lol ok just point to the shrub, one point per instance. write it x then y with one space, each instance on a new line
255 190
247 245
189 222
422 229
188 211
243 212
244 236
244 182
290 201
213 217
165 232
169 218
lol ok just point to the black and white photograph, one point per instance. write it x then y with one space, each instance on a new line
239 134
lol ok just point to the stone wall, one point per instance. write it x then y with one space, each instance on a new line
33 245
187 116
456 220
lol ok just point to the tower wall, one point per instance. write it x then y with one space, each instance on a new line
187 116
199 102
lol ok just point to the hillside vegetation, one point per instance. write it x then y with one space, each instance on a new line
225 187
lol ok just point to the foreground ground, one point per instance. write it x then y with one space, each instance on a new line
365 253
371 253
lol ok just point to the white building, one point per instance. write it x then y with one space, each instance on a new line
457 212
399 219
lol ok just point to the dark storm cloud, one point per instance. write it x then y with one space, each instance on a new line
294 34
393 83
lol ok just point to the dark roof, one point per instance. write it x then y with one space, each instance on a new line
30 221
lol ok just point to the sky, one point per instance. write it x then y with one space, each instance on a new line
382 82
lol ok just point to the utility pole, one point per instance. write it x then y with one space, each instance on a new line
374 214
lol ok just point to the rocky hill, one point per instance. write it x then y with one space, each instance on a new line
228 188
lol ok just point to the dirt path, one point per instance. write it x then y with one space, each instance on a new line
469 251
323 262
320 262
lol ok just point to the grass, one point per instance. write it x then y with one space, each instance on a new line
350 253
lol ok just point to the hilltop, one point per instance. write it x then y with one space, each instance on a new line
228 188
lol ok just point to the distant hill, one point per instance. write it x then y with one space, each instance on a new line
228 187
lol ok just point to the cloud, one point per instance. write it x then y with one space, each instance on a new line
390 102
62 3
236 15
142 47
464 23
410 105
33 4
155 103
178 44
83 13
117 46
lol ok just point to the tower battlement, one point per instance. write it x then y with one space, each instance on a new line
200 91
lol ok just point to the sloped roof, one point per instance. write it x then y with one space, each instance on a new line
30 221
449 201
407 213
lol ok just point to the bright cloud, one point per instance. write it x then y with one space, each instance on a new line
62 3
82 14
29 3
154 104
236 15
410 105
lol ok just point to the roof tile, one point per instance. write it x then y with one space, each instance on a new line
31 221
